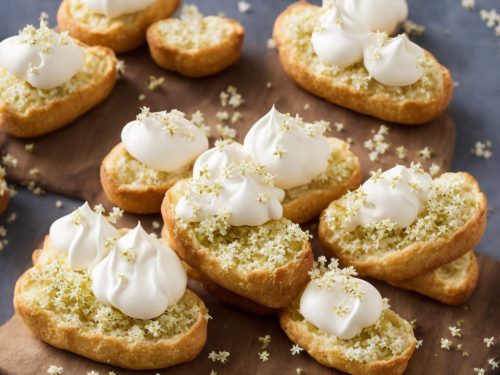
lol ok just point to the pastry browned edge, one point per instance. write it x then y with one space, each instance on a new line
271 288
63 110
420 257
452 283
380 105
200 62
307 206
118 351
135 199
118 36
318 347
225 295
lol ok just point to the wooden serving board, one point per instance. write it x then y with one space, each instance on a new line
238 332
68 161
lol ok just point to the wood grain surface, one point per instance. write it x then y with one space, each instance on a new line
69 159
238 332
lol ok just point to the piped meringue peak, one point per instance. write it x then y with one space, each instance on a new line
141 276
293 150
399 194
378 15
116 8
339 39
84 235
228 186
350 31
338 303
394 61
165 141
42 57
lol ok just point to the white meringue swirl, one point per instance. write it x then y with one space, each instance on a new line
217 159
116 8
378 15
141 276
226 182
398 62
399 194
85 236
350 31
293 151
340 38
43 58
318 304
165 141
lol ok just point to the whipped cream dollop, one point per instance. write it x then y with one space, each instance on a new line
378 15
43 58
340 37
337 312
397 62
141 276
227 182
399 194
116 8
84 235
350 31
165 141
294 151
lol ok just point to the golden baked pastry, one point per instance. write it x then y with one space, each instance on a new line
267 264
334 353
27 111
194 45
157 150
344 322
132 185
452 283
352 87
452 223
58 306
121 34
343 173
226 295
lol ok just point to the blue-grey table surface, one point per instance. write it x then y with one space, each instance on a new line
456 36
